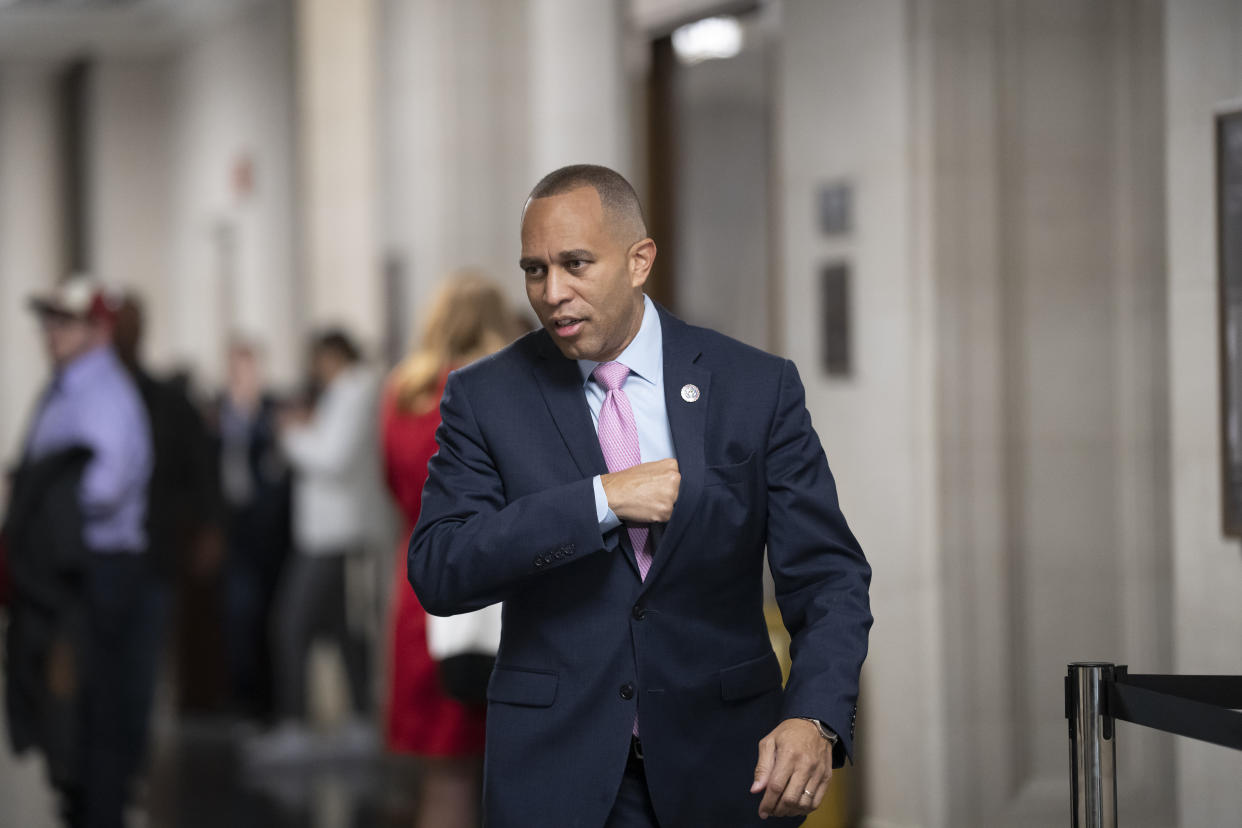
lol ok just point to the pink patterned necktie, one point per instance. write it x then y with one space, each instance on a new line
618 437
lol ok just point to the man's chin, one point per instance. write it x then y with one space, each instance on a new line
575 349
569 349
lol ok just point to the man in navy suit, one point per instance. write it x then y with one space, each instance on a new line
614 479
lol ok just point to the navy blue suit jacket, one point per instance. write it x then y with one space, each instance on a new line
508 514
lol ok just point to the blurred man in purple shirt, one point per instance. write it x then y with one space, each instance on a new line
92 403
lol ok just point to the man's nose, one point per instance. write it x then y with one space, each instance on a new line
556 286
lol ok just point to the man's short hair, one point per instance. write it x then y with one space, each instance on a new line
621 205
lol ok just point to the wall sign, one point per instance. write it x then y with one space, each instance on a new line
834 292
836 208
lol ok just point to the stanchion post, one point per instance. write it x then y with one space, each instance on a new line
1093 749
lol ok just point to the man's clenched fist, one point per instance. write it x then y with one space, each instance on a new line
645 493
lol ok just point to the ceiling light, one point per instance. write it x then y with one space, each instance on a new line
708 39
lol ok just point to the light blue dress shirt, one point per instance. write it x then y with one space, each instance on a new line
93 402
644 388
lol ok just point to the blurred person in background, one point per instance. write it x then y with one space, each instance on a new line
183 528
76 655
468 320
254 481
327 589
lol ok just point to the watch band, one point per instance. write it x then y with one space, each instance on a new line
825 731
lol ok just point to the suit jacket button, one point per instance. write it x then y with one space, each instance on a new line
639 612
627 691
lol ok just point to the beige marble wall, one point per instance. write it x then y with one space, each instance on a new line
130 117
31 249
844 112
1203 45
1001 446
1051 387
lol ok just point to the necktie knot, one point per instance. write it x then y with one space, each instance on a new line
611 375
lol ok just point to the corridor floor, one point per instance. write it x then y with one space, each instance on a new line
198 780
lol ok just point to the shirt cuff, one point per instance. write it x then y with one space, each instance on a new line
607 519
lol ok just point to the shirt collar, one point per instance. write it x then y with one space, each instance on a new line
644 356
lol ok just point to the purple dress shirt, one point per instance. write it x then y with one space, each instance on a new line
93 402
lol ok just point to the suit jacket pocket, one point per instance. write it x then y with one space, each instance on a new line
529 688
731 473
750 678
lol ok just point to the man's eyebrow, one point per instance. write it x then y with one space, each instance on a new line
529 261
570 255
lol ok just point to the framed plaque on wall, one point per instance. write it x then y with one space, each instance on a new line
1229 241
834 280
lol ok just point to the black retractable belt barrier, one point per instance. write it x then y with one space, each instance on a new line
1198 707
1206 708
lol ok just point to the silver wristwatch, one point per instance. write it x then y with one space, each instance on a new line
824 730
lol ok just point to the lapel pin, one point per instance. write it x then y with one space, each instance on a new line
689 392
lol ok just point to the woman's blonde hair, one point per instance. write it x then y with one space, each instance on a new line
468 319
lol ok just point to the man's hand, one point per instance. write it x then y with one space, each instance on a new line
794 768
644 493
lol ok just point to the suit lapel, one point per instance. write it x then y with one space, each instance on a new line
687 420
561 384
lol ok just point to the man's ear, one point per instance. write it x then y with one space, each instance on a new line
641 257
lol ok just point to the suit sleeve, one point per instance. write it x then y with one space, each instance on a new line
473 546
821 575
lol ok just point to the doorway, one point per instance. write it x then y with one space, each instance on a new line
709 151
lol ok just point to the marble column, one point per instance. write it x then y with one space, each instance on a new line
336 41
31 248
577 85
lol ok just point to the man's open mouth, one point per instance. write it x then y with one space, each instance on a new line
567 326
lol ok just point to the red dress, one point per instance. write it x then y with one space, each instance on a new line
421 719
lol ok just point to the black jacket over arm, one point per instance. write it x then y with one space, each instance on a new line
47 562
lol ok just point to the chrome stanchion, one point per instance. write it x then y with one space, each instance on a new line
1093 749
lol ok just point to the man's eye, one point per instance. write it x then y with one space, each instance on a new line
534 271
575 264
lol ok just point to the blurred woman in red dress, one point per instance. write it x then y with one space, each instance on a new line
468 320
